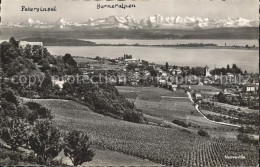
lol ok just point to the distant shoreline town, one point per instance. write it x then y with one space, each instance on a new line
77 42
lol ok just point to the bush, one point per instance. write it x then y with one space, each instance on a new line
181 123
38 111
133 116
203 133
247 139
186 131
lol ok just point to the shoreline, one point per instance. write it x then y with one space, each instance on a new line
161 46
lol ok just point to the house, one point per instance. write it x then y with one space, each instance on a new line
23 44
131 60
200 83
215 77
226 92
192 79
162 82
58 82
174 87
198 96
147 73
207 81
164 74
250 88
159 70
176 71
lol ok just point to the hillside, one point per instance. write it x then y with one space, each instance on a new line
158 144
101 98
60 42
219 33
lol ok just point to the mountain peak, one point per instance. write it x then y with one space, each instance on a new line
30 20
61 19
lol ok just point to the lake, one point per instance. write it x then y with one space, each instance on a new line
245 59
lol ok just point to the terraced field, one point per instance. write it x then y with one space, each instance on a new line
170 146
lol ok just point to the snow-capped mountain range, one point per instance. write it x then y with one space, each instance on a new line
153 22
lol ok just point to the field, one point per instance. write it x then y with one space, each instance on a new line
215 113
232 107
203 88
84 60
171 146
168 105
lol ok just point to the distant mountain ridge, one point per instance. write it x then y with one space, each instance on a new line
130 22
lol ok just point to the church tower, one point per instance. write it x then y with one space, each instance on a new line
206 69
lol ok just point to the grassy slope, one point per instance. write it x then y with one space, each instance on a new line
105 157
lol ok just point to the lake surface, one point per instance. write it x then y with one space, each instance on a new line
220 42
245 59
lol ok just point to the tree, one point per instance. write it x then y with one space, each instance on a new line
69 60
47 82
13 41
15 134
234 66
10 96
166 66
228 68
45 141
45 65
27 51
23 111
37 53
76 147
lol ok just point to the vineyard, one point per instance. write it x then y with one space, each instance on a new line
170 146
217 153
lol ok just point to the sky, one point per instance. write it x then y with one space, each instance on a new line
82 10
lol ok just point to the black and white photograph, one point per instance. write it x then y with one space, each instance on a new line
129 83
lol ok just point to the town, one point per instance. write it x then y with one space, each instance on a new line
236 87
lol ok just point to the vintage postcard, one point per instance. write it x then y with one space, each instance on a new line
129 83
